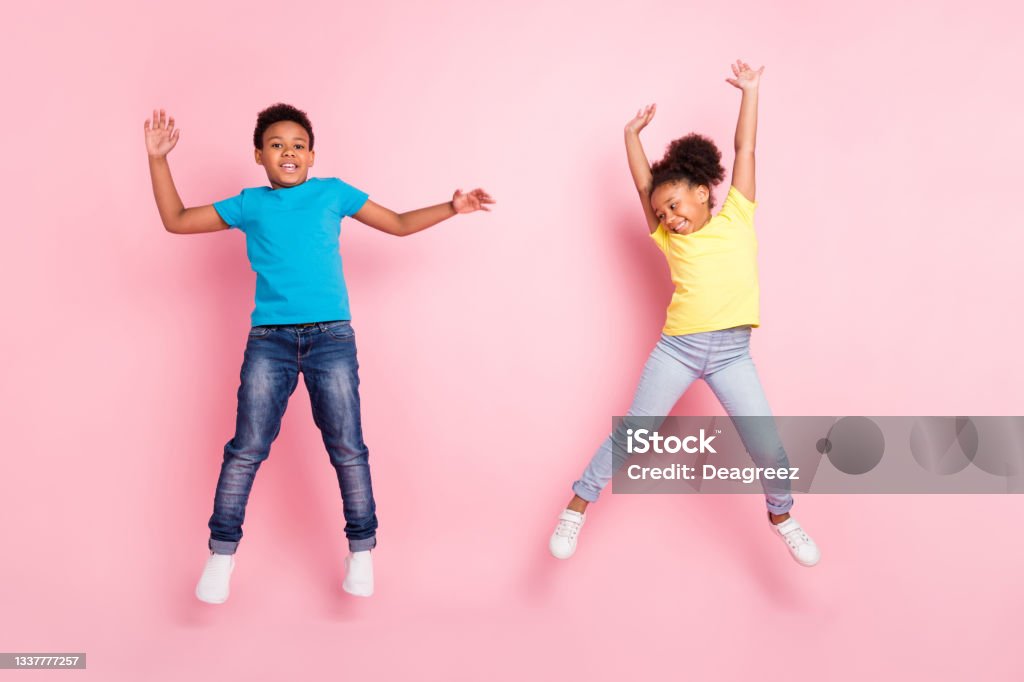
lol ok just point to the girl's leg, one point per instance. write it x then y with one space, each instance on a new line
673 365
733 378
735 382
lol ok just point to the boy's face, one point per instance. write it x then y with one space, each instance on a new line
285 155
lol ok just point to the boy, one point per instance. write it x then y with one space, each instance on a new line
300 322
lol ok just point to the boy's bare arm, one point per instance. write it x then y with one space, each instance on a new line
748 80
161 136
639 166
410 222
175 216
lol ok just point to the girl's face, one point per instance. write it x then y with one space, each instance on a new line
681 208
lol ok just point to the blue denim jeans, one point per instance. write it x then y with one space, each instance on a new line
325 355
722 359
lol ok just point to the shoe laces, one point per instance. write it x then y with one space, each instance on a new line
567 528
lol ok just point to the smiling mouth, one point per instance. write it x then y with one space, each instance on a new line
289 167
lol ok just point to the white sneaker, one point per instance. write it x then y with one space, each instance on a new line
563 540
800 544
213 583
358 574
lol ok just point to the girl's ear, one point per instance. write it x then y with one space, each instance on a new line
703 194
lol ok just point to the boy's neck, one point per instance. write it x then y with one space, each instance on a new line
276 186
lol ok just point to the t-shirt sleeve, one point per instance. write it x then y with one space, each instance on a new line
660 237
737 208
230 211
350 199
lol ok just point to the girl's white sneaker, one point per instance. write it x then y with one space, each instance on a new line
800 544
563 540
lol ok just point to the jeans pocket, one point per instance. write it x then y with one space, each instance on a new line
342 331
259 332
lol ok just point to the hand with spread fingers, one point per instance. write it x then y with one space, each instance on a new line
475 200
642 118
161 135
745 78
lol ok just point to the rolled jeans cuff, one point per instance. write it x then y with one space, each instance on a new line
585 493
780 507
223 546
362 545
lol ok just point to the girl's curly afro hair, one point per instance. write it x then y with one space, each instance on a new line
277 113
693 159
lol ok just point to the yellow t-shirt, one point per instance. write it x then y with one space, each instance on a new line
714 270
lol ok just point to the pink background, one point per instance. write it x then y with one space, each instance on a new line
495 348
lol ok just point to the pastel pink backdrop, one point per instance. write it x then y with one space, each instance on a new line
495 348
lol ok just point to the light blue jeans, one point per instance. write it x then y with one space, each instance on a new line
722 359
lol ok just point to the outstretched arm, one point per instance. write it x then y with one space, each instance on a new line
639 167
748 80
161 136
402 224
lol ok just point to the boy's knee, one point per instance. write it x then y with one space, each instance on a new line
246 450
349 455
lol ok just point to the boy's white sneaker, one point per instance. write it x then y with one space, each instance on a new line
800 544
358 574
563 540
213 586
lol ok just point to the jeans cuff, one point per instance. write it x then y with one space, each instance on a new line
775 508
579 489
362 545
223 546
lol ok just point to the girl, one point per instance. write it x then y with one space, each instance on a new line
713 261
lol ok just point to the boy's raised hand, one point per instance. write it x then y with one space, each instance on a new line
161 135
642 118
746 78
468 202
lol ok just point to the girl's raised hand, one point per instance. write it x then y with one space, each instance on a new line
746 78
475 200
642 118
161 135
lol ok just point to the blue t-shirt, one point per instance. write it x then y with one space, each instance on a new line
291 237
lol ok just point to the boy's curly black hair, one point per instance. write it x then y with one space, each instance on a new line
277 113
693 159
